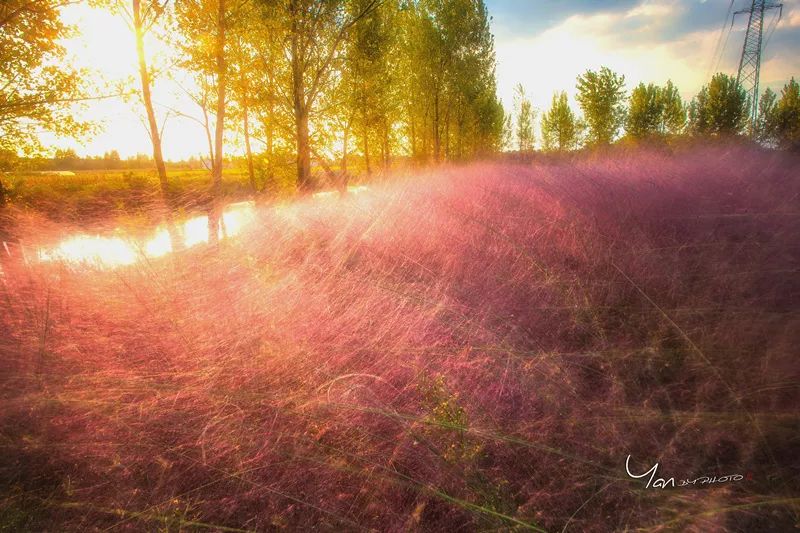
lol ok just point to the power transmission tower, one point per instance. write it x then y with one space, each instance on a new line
750 63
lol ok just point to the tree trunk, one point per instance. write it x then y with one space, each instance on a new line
269 125
447 131
345 137
366 150
344 177
209 140
270 155
155 134
413 137
299 104
216 168
251 172
383 154
303 150
385 148
144 74
437 147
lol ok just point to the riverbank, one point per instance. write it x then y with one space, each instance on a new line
92 198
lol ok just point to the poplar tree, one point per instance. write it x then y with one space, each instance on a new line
645 112
787 117
313 34
601 96
560 127
720 108
524 112
673 119
453 110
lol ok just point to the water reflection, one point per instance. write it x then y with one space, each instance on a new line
109 252
123 250
101 251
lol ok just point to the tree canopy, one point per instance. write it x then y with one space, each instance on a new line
561 129
720 108
655 112
523 109
601 95
787 117
37 91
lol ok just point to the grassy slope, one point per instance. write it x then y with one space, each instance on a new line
478 348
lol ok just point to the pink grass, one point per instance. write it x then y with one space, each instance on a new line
474 348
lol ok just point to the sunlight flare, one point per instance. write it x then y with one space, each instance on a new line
102 252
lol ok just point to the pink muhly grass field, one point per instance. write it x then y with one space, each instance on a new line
476 348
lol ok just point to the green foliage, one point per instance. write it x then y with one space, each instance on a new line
525 114
451 100
96 195
369 80
601 97
507 142
37 90
8 160
561 129
765 122
645 111
655 112
673 118
720 108
787 117
447 422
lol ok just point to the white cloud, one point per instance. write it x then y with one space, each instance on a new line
626 42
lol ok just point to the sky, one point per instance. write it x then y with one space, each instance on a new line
542 44
545 44
105 46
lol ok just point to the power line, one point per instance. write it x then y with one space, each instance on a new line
717 51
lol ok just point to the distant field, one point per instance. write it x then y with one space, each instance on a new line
97 195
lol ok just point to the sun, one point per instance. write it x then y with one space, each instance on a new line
104 48
103 42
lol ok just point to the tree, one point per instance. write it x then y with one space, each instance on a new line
655 112
111 160
524 111
206 25
673 119
507 142
313 33
787 117
720 108
368 80
765 127
36 88
450 97
246 74
66 159
645 112
560 127
601 97
268 95
143 16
